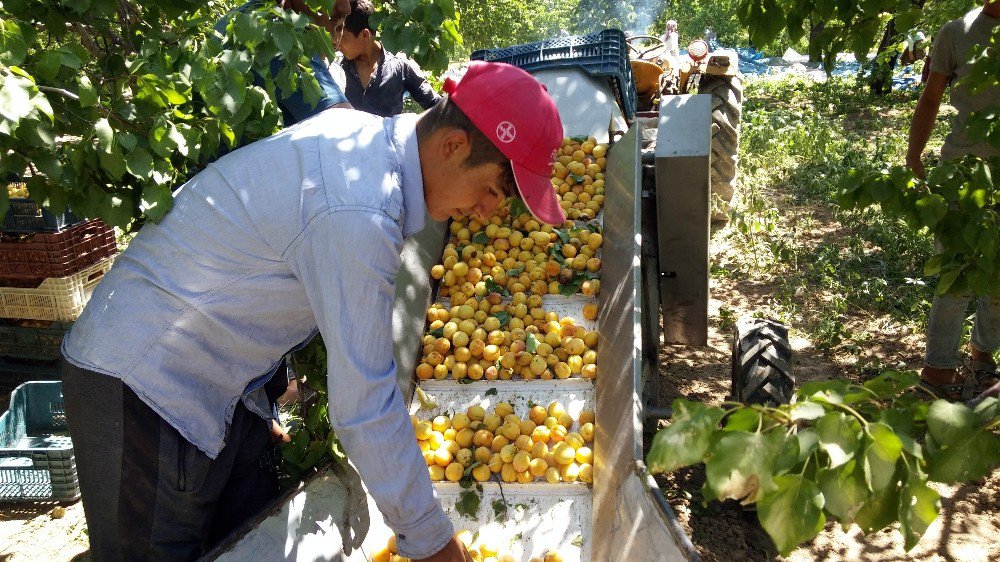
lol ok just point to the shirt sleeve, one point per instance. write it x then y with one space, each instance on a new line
418 86
347 262
943 53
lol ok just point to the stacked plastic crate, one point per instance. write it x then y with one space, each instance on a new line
49 266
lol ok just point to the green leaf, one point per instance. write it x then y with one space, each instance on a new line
787 447
105 135
958 448
437 333
481 238
892 383
490 392
156 201
932 209
742 419
687 439
494 287
563 235
808 443
13 47
407 6
48 65
530 343
448 7
806 411
116 210
499 509
919 506
15 102
468 504
114 163
948 422
880 510
740 467
881 456
839 437
988 409
139 163
517 207
844 490
283 37
503 317
793 513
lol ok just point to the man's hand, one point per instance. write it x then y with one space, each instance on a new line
454 551
916 165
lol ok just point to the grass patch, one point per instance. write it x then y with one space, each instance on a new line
836 268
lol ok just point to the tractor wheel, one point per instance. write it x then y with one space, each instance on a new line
727 109
762 362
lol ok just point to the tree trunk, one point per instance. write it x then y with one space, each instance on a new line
881 76
815 54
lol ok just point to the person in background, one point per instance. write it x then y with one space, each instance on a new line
948 67
710 36
671 39
294 108
377 79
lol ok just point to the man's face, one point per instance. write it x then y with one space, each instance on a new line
352 45
459 191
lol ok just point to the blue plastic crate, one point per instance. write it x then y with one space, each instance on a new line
603 54
36 452
25 216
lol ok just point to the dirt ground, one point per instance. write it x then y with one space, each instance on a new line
968 526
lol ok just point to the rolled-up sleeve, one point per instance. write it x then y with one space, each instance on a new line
418 86
348 261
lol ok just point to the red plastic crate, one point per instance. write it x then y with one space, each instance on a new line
41 256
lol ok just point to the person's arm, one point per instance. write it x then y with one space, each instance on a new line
296 105
418 86
924 117
347 261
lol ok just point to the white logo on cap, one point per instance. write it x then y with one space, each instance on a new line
506 131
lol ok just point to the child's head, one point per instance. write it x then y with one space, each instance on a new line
494 135
358 34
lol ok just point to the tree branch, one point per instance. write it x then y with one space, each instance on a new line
87 39
104 111
124 17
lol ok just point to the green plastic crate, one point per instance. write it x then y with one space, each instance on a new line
36 453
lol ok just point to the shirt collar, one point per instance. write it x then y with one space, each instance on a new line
404 138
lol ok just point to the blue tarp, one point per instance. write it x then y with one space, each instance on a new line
754 63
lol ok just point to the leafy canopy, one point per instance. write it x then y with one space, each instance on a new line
111 104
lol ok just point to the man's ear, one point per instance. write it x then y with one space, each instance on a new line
456 143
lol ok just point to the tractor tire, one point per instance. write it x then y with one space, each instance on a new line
761 362
727 111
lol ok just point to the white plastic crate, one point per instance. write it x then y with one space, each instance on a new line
57 298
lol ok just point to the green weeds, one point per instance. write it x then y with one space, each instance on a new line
799 139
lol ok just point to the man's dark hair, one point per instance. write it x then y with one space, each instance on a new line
357 21
446 114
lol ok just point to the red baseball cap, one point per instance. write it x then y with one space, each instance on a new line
515 112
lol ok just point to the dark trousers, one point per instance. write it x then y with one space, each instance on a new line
148 493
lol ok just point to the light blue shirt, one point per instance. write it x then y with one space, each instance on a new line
300 230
